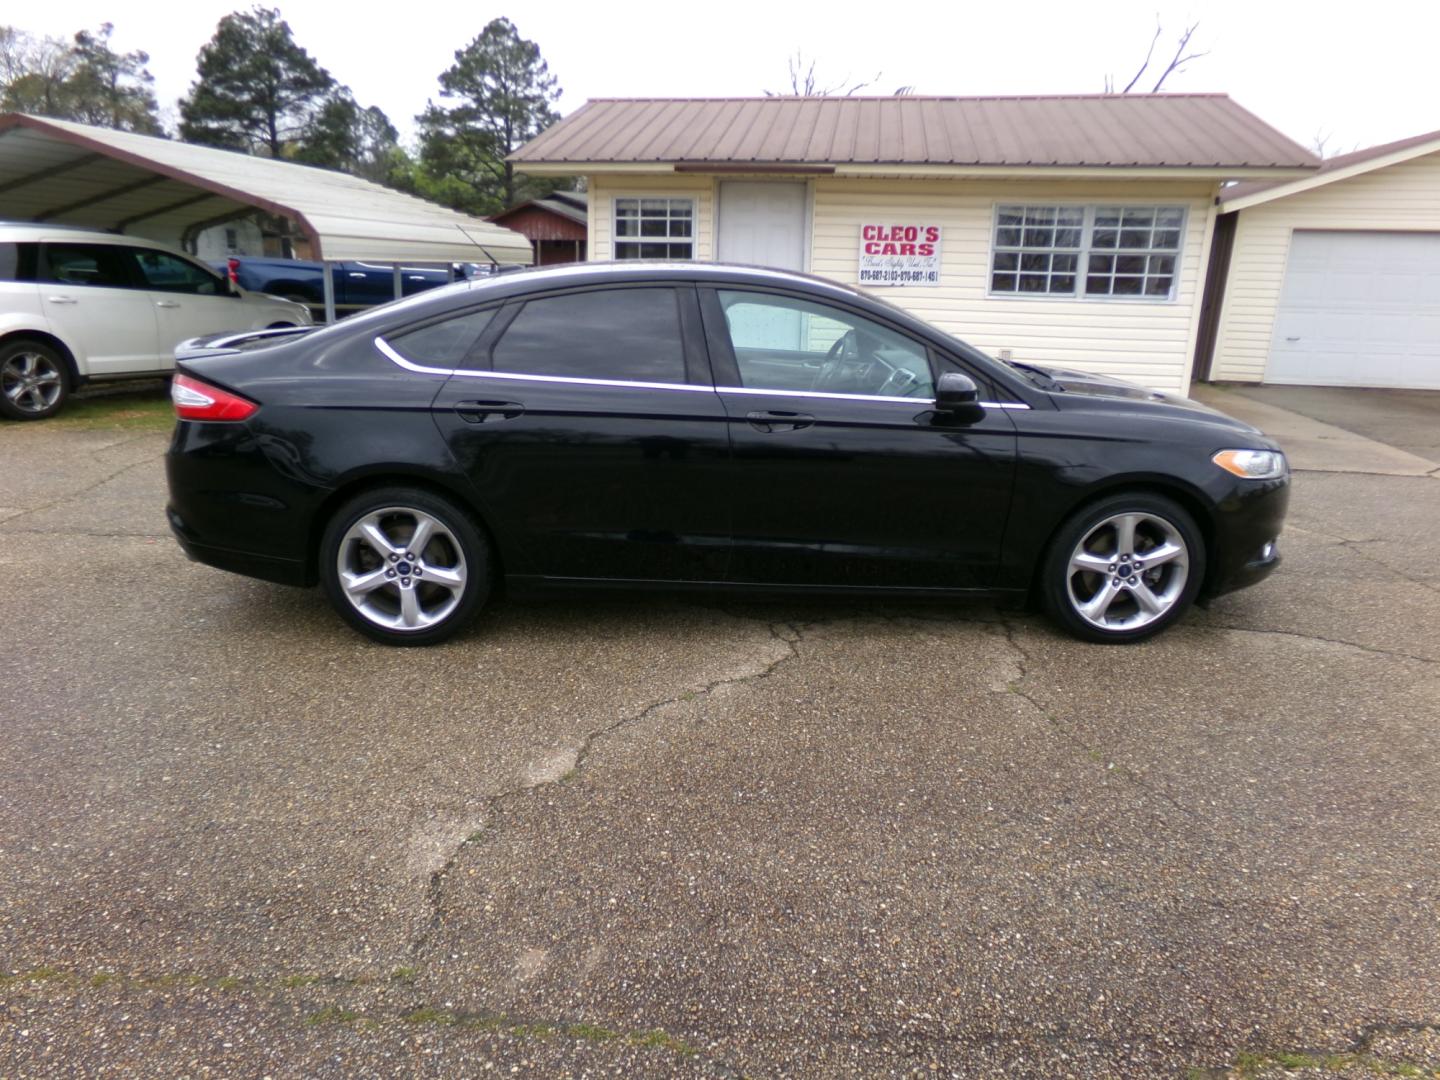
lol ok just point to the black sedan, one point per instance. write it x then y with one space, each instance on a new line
686 425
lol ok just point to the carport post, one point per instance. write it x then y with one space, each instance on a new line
395 280
328 276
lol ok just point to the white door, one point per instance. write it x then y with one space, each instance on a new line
90 293
762 224
1359 309
190 300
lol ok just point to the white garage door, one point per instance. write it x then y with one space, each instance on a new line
1359 309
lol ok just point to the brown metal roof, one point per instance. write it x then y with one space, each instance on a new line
1146 130
1340 161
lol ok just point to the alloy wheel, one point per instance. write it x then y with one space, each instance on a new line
1128 571
31 381
401 568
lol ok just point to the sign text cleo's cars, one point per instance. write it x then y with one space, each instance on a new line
897 254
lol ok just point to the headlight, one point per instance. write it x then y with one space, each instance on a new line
1252 464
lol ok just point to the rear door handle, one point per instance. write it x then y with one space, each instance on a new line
167 303
357 273
62 299
778 420
478 412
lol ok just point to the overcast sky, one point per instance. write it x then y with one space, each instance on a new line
1361 73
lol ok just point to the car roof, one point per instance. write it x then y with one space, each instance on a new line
585 273
30 231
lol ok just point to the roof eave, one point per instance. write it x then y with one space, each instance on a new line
943 171
1320 177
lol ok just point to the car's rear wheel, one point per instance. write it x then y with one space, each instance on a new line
1123 568
404 566
34 380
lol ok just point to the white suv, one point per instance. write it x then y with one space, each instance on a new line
76 305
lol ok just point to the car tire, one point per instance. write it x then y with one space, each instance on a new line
392 593
34 380
1101 588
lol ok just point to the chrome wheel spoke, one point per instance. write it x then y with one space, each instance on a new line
1149 603
1160 554
359 585
1094 609
1125 526
445 576
373 536
424 530
410 613
1084 562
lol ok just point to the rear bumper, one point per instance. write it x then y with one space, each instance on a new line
265 567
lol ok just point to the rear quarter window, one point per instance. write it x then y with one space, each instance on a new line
442 344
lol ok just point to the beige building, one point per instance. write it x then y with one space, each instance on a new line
1069 231
1332 279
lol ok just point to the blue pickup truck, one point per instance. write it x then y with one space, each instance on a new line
357 284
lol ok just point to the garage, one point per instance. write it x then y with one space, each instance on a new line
1332 279
1359 309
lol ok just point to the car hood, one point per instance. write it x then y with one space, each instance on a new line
1086 385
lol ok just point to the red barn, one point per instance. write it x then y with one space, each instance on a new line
555 226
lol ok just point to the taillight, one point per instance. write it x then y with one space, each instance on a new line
232 266
196 400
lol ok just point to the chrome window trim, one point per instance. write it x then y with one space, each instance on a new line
408 365
573 380
756 391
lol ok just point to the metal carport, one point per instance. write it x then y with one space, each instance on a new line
68 173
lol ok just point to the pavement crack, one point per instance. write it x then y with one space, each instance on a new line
789 633
1070 735
73 495
1373 650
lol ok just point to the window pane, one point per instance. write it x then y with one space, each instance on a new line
443 344
1034 283
1168 239
1105 238
1039 237
86 264
1157 286
1134 238
1097 286
651 227
1102 264
1063 264
1073 216
627 334
1035 262
1127 286
1002 282
627 227
1006 260
1137 218
783 343
1067 238
1130 264
1170 217
1007 237
1162 264
1107 217
1011 215
1062 283
167 273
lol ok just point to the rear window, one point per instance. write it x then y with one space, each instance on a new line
631 335
104 265
442 344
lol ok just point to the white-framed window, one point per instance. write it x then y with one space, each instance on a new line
1095 252
654 228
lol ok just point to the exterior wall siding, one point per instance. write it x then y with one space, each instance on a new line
1401 198
1148 341
1144 340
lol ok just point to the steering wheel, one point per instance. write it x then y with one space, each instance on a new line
846 347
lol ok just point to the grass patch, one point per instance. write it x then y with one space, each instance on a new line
332 1014
136 411
1252 1064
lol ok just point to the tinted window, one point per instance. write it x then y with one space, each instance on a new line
442 344
782 343
85 264
9 262
627 334
170 273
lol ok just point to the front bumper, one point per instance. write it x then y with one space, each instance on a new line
1245 548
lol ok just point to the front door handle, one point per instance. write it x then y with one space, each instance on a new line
62 299
769 420
478 412
167 303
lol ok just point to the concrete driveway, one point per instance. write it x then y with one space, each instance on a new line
697 837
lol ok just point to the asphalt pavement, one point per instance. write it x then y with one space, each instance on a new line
697 836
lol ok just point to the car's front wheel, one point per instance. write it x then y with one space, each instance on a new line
404 566
34 380
1123 568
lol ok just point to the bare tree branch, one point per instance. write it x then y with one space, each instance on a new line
805 83
1148 54
1180 59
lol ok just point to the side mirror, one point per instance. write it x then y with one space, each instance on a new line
957 393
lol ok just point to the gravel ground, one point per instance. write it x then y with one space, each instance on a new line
702 837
